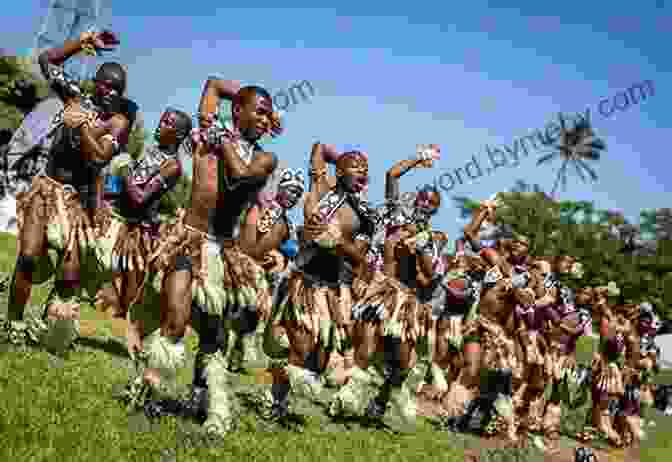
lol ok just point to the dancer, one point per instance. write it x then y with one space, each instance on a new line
130 230
60 208
456 297
315 308
641 356
565 322
607 374
201 258
386 316
494 325
269 239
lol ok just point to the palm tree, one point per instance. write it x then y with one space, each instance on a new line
522 186
575 147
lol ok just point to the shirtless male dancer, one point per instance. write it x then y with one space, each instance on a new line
130 229
269 239
60 208
200 255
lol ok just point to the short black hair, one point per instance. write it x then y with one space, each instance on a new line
5 136
115 68
245 93
185 119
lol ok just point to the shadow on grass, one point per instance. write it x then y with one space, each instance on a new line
111 346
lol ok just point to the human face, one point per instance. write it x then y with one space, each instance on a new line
428 202
107 94
288 197
564 264
519 249
253 117
353 173
166 132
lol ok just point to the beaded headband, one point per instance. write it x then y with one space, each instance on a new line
291 178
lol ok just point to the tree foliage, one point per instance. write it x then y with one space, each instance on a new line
177 198
20 91
610 248
599 238
575 147
136 141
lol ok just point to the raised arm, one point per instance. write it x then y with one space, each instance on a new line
473 227
320 157
424 158
88 41
398 170
214 91
57 57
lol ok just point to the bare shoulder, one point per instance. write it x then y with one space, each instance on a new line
266 160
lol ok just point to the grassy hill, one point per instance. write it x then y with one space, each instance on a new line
62 409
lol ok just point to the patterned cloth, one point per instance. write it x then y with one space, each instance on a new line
322 311
386 299
123 246
225 281
59 208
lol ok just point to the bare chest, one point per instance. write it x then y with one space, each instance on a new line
205 181
347 219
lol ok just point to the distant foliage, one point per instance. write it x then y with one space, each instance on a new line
609 248
177 198
136 141
20 91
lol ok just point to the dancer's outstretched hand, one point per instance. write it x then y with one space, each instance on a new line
94 42
329 153
427 154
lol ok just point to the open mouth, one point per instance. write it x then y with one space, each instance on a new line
360 183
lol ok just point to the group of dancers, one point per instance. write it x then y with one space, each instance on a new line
360 284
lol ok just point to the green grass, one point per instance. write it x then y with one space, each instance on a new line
62 409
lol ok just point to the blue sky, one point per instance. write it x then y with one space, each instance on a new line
390 77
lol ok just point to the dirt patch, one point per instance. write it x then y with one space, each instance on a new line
562 451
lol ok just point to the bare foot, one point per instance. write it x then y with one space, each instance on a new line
133 339
63 311
152 377
456 398
107 299
432 392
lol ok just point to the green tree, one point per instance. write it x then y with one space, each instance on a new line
136 141
178 197
20 91
578 229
